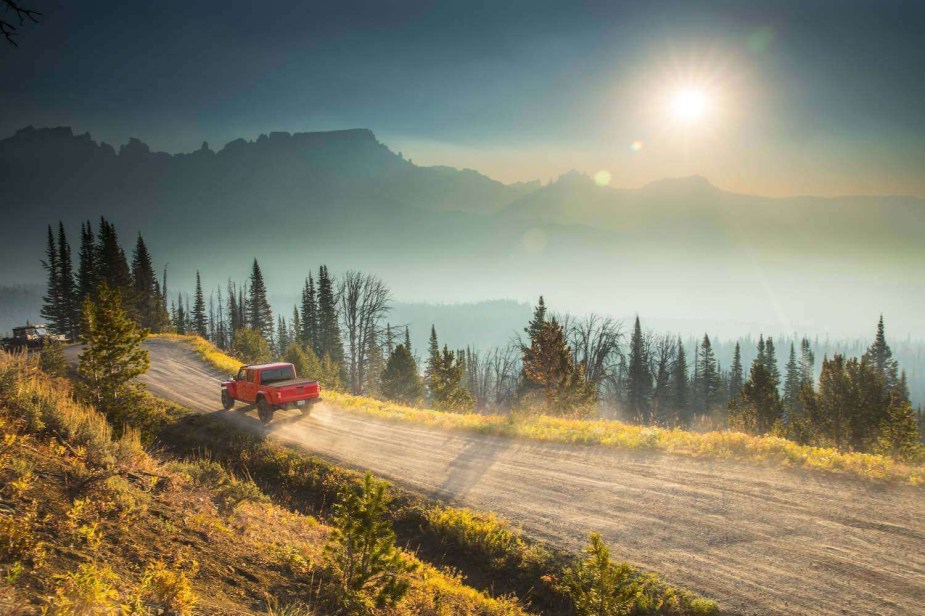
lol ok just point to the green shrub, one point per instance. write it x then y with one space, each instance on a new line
370 571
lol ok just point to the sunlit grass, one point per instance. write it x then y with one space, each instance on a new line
729 445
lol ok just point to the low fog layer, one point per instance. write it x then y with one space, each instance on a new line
683 253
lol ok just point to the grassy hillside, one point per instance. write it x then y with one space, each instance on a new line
90 523
724 445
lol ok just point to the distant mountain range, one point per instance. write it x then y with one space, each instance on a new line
679 248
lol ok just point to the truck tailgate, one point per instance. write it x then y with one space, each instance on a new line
291 391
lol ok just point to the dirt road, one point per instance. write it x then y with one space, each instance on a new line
760 541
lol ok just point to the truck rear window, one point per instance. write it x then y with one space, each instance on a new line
275 375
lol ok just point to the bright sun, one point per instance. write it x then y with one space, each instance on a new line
689 105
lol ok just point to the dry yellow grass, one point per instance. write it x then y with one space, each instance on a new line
718 444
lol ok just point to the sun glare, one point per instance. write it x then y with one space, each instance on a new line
689 105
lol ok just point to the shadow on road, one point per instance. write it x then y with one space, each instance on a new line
470 465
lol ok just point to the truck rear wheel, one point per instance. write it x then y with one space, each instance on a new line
264 410
227 400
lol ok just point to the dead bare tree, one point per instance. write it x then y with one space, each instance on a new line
663 350
596 343
364 302
9 26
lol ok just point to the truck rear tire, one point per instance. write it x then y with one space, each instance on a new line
227 400
264 410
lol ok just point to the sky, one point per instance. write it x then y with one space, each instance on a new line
800 97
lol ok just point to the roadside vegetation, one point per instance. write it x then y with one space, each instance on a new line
727 444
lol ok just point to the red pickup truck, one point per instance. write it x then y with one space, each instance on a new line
270 387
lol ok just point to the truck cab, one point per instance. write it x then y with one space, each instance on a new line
271 387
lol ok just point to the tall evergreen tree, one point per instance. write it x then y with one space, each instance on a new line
736 375
52 308
112 266
807 363
408 340
770 359
400 380
282 336
758 406
639 377
880 356
295 329
259 314
179 322
67 289
539 317
199 321
550 368
680 386
432 366
309 329
88 269
329 338
148 305
709 384
793 381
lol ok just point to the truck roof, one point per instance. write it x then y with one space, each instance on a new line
278 364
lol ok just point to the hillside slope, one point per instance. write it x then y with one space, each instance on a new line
760 541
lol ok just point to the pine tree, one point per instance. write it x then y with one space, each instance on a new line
221 325
259 314
432 367
400 380
709 383
282 336
88 270
446 386
112 354
899 432
770 359
52 310
309 329
370 571
199 321
67 287
639 377
539 317
758 406
880 356
736 375
549 368
408 339
295 329
329 338
792 382
680 386
148 304
179 322
112 266
807 363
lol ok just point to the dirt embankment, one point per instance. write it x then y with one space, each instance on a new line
758 540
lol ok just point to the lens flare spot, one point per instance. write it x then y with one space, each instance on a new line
760 40
602 177
636 146
534 240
